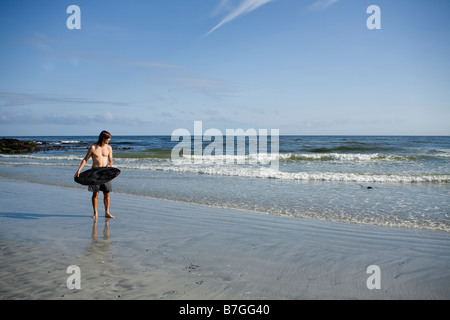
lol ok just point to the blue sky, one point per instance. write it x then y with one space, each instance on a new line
147 67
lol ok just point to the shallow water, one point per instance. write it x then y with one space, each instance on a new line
324 178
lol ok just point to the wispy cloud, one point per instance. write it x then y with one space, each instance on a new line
108 118
47 44
14 99
234 11
153 64
217 89
322 4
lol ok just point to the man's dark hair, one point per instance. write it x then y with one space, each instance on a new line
104 135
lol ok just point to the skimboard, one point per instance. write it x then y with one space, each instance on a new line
97 176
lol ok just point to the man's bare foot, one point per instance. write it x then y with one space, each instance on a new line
94 216
107 215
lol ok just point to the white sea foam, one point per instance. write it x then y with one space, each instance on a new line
268 173
445 153
344 157
263 158
53 164
267 157
239 166
40 157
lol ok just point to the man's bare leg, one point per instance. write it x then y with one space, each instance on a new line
94 204
106 203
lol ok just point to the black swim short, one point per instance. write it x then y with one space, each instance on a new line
107 187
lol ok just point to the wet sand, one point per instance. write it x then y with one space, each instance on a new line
157 249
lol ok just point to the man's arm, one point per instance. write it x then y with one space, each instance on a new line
85 160
110 157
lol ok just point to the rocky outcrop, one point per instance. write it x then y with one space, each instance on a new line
17 146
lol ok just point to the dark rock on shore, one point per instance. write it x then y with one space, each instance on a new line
17 146
14 146
44 146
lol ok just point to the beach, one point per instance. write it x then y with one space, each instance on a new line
162 249
262 151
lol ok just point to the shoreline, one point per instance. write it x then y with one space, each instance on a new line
159 249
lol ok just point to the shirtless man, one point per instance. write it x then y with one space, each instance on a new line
101 154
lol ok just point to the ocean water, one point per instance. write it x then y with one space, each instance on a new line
379 180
